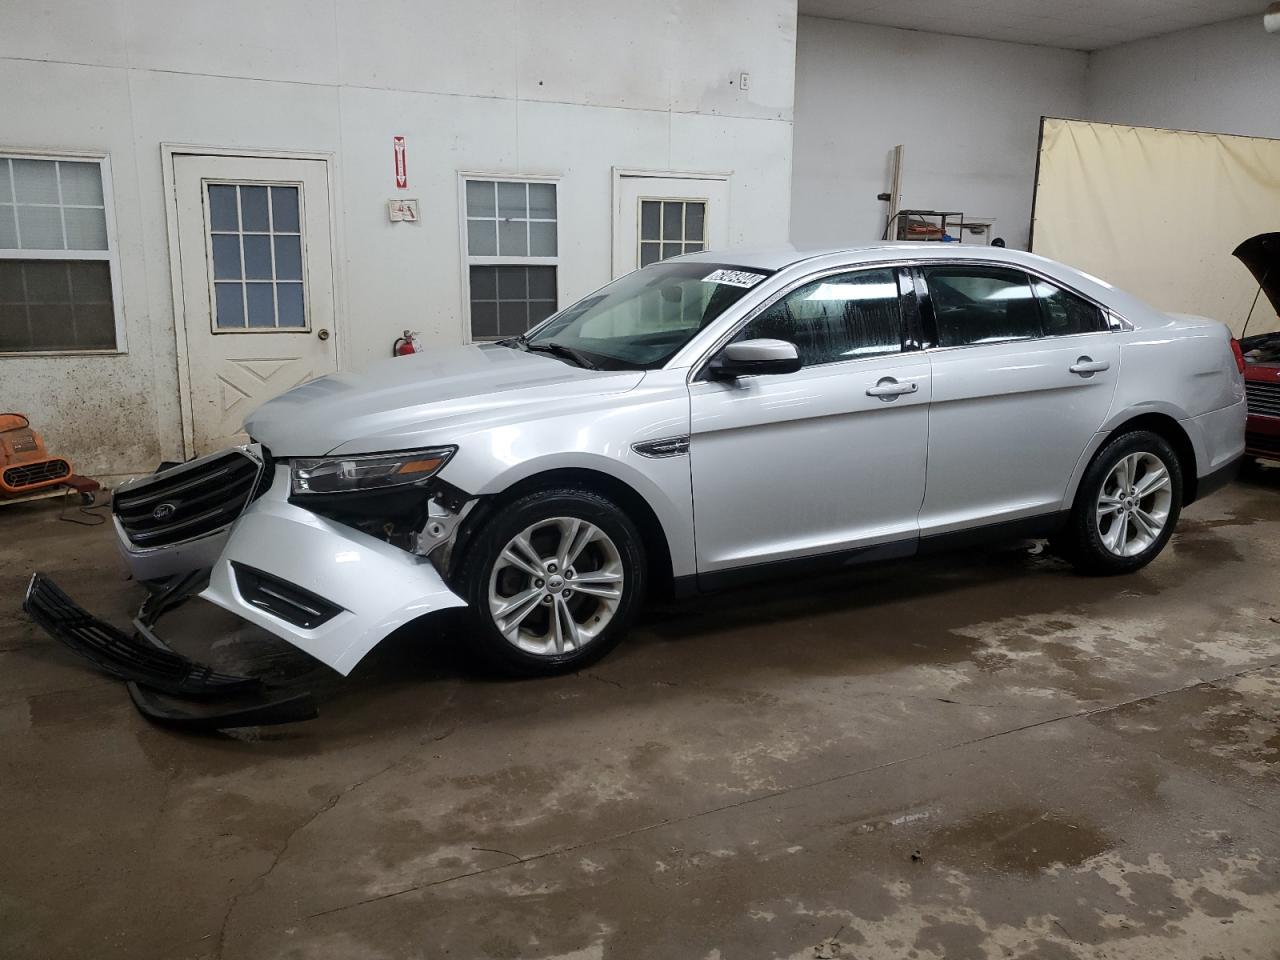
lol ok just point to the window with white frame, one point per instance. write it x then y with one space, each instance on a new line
59 284
512 251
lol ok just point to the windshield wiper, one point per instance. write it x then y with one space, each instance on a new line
561 351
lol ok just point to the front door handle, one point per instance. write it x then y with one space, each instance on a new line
888 388
1087 366
323 334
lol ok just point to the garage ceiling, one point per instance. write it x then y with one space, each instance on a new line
1073 24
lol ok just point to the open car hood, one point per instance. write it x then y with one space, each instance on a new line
1261 254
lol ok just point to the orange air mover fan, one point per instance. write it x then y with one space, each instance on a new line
25 464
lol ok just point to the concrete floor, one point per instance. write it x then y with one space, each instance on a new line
975 756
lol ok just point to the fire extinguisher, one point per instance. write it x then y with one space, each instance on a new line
406 344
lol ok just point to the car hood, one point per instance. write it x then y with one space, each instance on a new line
374 409
1261 254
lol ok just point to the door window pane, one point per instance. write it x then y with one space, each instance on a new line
257 225
289 303
260 301
288 258
974 305
226 257
284 210
253 209
844 317
1064 313
224 208
257 257
229 302
670 228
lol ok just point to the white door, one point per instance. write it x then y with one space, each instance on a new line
655 218
825 460
256 264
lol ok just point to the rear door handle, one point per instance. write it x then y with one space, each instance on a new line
888 388
1087 365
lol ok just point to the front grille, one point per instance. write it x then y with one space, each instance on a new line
189 501
1263 442
1263 398
31 474
283 599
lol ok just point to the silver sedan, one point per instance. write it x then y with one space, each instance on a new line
705 421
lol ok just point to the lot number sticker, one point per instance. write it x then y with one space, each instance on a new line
734 278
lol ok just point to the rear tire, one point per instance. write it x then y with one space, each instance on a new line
1127 505
552 582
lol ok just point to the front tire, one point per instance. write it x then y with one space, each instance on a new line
552 582
1127 505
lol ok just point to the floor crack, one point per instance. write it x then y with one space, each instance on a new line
835 778
257 882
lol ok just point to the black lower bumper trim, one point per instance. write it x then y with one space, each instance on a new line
115 652
222 713
164 685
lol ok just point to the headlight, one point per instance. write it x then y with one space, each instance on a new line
376 472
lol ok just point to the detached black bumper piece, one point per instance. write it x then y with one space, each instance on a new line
164 685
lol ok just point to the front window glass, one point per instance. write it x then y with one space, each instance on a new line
639 321
982 305
843 317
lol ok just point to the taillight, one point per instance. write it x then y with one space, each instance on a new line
1235 348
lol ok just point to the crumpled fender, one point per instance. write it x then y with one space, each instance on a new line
379 587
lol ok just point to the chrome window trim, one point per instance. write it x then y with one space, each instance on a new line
1116 322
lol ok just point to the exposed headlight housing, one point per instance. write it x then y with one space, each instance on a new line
379 471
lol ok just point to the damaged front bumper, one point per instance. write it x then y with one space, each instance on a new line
326 588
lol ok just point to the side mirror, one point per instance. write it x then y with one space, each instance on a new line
748 358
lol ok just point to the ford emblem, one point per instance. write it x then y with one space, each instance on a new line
164 511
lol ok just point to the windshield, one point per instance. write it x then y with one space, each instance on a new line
639 321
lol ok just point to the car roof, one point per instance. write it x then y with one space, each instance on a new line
786 255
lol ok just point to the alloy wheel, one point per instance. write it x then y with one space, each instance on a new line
1134 503
556 586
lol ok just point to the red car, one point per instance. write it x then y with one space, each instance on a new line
1261 254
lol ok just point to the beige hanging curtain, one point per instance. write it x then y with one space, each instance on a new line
1158 212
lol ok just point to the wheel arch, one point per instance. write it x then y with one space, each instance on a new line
653 534
1163 425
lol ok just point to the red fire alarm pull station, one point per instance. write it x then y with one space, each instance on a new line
402 170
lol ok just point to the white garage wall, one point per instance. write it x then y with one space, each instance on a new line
562 87
967 111
1217 79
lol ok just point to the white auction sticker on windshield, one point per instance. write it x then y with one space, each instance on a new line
734 278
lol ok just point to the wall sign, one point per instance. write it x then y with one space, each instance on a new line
402 170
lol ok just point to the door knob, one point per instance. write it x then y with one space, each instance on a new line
1087 366
323 333
888 388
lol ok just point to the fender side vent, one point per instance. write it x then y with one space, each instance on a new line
667 447
283 599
